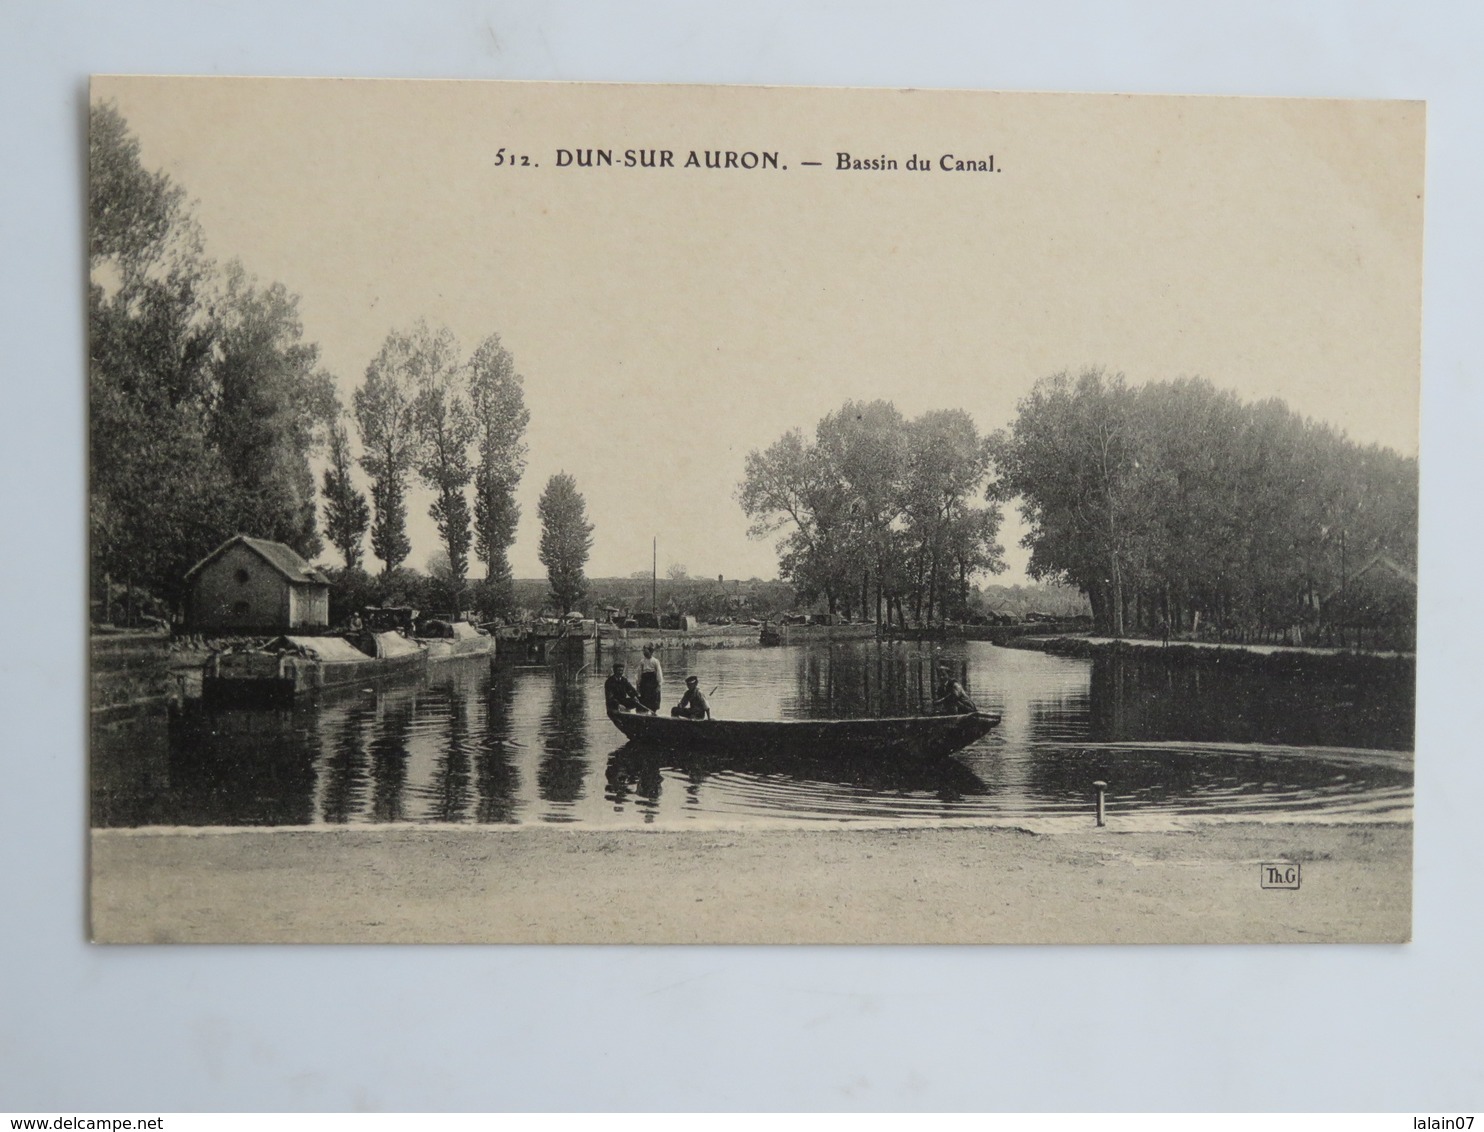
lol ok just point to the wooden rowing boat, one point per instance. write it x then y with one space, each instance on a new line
917 735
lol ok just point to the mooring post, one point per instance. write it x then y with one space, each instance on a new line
1101 789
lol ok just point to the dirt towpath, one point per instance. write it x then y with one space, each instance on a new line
836 885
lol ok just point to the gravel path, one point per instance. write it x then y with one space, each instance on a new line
834 885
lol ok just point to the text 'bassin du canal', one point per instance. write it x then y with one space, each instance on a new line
750 159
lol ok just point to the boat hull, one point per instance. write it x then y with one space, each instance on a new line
443 649
913 736
262 678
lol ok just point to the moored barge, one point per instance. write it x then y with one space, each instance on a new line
289 668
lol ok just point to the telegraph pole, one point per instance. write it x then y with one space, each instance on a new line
654 576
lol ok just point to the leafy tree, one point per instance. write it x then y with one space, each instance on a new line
272 404
205 400
566 540
1072 457
391 444
136 219
497 406
346 513
155 484
786 488
953 540
1177 503
863 452
876 499
446 428
352 590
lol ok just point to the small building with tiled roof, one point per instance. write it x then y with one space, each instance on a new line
251 585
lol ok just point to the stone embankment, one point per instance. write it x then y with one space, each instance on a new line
128 670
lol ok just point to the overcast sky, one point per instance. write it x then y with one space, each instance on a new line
668 321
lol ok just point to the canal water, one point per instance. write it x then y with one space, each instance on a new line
476 744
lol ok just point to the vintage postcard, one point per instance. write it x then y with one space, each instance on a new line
529 512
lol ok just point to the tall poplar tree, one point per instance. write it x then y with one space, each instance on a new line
391 444
566 540
500 417
445 428
346 513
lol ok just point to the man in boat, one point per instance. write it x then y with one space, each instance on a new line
619 694
651 677
693 704
952 699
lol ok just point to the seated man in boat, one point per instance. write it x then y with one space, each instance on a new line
952 699
693 704
619 694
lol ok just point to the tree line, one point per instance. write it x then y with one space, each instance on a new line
427 414
454 424
207 404
1170 505
204 397
1176 503
882 516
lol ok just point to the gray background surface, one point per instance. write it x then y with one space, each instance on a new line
142 1029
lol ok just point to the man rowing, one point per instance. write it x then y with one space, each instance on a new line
619 694
952 699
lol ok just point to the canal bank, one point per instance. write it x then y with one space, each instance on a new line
1294 659
1198 883
131 670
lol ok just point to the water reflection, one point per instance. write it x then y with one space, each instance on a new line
563 737
389 756
247 767
346 768
452 774
497 779
485 745
642 770
854 681
638 774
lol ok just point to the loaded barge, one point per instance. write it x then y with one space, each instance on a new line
289 668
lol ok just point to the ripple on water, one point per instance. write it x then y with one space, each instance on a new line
476 745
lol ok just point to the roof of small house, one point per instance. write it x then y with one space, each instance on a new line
284 559
1383 564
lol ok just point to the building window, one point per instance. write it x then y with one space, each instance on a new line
242 577
240 609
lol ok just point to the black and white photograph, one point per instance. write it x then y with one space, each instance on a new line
603 513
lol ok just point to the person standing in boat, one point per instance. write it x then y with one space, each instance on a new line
952 699
619 694
693 704
651 680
